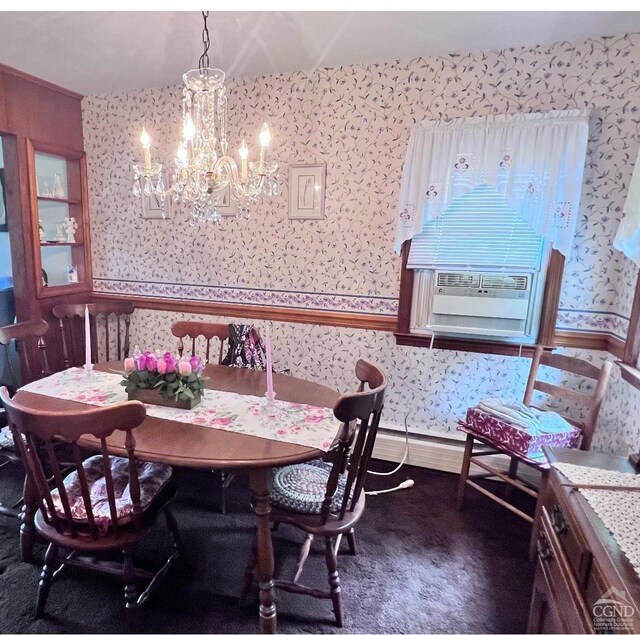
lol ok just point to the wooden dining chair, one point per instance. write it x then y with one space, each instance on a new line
589 401
326 497
109 325
107 504
17 343
23 338
209 331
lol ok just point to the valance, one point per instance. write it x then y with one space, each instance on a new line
535 160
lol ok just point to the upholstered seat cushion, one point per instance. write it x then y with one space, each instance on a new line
152 477
302 487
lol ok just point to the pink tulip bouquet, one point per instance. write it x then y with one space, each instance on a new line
173 378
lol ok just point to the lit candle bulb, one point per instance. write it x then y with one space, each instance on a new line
182 155
244 155
146 149
189 128
265 138
188 134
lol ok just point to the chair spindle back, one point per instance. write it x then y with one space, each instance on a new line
360 414
194 330
23 334
34 429
110 319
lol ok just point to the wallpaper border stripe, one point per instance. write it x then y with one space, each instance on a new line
243 296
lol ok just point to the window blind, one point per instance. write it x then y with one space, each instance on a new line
478 230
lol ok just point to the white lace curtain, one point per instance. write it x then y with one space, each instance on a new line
627 238
535 160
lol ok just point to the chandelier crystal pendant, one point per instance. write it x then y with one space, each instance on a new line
204 175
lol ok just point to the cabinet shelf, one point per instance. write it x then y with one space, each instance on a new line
74 244
59 261
51 199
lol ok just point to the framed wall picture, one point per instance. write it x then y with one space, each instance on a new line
227 206
154 208
306 191
3 203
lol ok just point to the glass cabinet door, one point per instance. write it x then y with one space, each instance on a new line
59 220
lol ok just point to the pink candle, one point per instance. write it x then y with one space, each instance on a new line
270 393
87 339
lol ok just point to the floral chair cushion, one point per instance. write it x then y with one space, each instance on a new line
152 476
302 487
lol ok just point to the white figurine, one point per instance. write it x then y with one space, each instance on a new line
59 237
70 226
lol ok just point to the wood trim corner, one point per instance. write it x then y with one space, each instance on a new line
632 346
593 341
630 374
406 291
551 299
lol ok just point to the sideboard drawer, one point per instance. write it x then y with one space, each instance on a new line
572 543
572 610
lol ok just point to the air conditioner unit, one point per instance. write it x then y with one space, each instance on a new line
484 303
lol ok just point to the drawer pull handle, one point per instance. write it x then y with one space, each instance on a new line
558 521
544 548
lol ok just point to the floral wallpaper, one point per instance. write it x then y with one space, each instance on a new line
357 120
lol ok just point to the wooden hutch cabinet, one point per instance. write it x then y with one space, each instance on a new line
45 183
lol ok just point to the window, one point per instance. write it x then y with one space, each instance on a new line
478 271
482 202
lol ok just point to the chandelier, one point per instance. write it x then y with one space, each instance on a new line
204 175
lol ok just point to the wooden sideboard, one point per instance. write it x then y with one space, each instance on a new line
578 561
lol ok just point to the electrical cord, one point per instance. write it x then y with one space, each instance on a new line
408 482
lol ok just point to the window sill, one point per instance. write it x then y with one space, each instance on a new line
472 346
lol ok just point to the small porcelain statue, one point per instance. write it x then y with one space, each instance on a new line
58 190
70 226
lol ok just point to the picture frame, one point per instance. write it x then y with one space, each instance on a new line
306 191
227 207
3 204
155 209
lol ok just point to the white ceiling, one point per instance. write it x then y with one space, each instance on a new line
99 52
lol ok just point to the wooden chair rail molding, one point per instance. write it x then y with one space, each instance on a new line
569 339
277 314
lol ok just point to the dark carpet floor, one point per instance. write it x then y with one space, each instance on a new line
422 567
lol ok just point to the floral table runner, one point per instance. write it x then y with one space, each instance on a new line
292 422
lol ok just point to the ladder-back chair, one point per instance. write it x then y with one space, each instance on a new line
107 504
327 499
194 330
17 343
109 328
589 401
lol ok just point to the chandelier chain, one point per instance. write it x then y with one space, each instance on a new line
203 62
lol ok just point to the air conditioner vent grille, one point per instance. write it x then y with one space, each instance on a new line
458 280
505 282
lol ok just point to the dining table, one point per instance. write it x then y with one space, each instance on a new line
165 440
